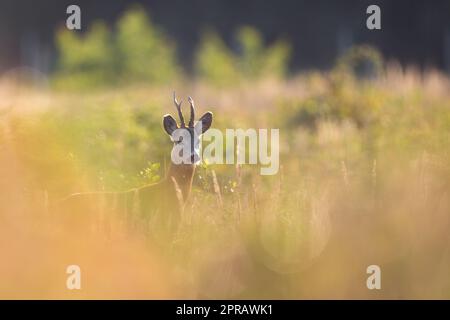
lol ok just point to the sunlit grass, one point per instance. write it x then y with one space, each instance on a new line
364 179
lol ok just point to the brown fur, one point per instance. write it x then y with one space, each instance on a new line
154 203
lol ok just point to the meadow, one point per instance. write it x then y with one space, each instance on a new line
364 179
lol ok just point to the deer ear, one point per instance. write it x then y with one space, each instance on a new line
204 123
169 123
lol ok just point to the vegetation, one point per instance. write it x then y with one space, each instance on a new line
137 52
364 175
140 52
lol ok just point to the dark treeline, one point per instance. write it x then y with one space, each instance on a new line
413 32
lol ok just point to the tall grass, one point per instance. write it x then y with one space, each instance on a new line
364 179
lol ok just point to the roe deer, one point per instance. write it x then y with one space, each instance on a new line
159 204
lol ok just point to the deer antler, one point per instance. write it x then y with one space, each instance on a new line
191 120
178 106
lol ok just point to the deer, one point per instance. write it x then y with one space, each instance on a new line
159 204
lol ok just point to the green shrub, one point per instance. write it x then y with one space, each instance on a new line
137 52
256 61
215 63
362 61
145 53
87 60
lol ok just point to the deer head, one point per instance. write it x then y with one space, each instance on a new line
187 136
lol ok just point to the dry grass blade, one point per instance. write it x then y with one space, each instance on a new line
217 189
179 195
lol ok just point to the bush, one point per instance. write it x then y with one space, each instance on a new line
362 61
145 53
214 62
137 52
218 65
256 61
85 60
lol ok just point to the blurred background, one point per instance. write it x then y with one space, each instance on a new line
364 119
414 32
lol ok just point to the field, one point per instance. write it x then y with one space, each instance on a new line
364 180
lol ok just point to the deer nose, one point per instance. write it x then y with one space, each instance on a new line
195 158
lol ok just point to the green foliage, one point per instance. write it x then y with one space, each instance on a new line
256 61
217 64
214 62
87 60
151 174
346 100
252 55
145 53
110 145
352 119
140 52
364 158
362 61
137 52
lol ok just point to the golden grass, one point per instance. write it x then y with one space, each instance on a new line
368 184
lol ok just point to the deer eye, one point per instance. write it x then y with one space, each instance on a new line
179 140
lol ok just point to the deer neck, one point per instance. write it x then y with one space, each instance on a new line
183 175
